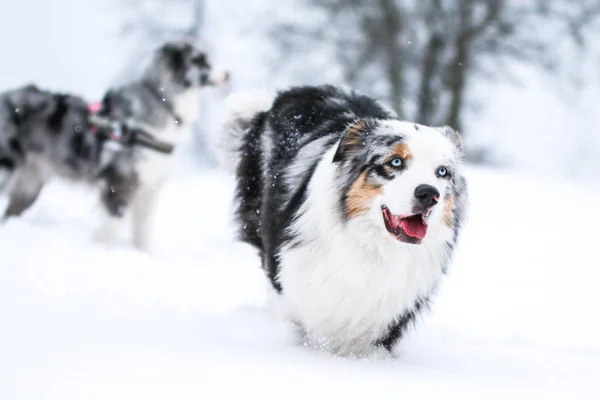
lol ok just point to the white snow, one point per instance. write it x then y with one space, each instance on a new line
63 45
517 316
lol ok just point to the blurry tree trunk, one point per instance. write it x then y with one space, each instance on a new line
392 26
459 65
428 96
422 55
457 82
194 33
195 30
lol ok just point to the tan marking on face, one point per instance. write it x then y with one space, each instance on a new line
361 196
449 210
403 151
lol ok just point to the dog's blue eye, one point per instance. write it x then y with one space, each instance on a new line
442 171
396 162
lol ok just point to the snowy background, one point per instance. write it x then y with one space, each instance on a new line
517 316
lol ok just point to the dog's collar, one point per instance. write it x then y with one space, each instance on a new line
162 100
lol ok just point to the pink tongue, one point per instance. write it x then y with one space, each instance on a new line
414 227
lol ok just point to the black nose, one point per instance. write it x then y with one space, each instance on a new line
427 196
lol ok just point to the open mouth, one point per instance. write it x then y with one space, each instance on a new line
410 229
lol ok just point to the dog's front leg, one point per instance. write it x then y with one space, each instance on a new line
22 198
143 210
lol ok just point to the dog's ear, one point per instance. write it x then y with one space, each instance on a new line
352 140
173 54
453 136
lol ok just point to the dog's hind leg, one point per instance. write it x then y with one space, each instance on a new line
11 159
143 210
120 189
24 189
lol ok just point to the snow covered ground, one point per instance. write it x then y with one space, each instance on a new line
517 317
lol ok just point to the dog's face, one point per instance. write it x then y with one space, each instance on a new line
399 177
188 66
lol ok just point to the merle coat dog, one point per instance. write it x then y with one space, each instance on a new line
355 213
164 102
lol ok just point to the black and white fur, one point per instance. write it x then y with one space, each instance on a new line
163 102
313 176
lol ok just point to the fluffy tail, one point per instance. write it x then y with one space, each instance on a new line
240 109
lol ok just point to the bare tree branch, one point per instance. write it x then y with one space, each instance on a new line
427 52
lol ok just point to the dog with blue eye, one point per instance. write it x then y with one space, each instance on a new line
355 213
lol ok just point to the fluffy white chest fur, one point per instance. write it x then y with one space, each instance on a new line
348 281
155 168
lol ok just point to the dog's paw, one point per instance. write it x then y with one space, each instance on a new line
142 247
101 237
108 233
381 354
142 243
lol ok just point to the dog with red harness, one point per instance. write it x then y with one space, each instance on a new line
124 145
161 107
45 135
